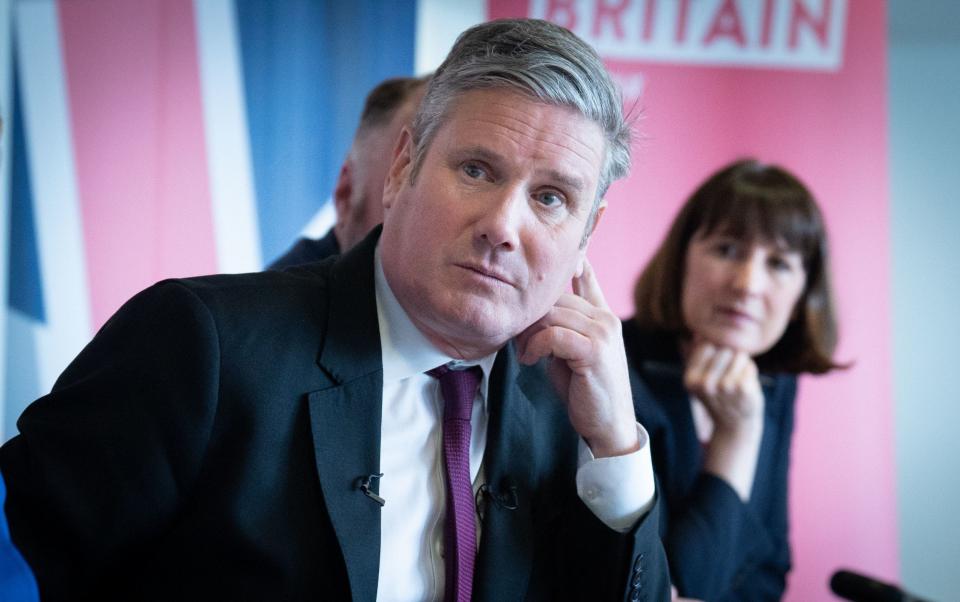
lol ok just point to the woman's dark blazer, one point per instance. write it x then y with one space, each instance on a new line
718 547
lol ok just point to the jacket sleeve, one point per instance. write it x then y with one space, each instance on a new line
609 565
102 462
718 546
606 565
649 575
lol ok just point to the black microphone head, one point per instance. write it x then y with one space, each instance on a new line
860 588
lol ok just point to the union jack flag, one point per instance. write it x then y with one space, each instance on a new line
155 138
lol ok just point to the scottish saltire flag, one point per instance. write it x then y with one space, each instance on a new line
147 139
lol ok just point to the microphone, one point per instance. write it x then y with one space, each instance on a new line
860 588
505 497
366 489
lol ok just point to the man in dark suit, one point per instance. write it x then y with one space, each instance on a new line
358 194
16 581
279 434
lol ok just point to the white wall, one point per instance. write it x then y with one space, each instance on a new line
924 105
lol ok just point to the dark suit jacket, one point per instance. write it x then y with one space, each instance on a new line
16 581
718 547
210 441
308 250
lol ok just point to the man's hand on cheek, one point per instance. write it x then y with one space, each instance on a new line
588 364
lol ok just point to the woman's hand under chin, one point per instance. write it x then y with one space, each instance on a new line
727 382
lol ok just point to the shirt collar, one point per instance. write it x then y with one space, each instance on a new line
405 350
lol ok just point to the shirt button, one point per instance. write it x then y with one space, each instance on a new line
592 493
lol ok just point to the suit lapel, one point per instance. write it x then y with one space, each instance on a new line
345 418
506 545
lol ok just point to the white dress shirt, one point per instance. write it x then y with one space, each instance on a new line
618 490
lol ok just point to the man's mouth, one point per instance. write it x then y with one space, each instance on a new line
488 272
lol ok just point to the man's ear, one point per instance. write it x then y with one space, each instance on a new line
343 190
586 235
596 219
400 168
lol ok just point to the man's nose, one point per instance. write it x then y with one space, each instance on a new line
499 225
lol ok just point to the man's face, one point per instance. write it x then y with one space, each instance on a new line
369 162
485 239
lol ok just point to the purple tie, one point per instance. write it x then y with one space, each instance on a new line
459 388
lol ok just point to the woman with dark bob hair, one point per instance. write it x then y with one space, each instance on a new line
732 307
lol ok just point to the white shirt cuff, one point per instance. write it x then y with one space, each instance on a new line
619 489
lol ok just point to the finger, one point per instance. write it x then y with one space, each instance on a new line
558 342
732 380
573 319
572 312
572 301
742 392
696 367
603 322
750 378
714 371
575 313
588 287
704 351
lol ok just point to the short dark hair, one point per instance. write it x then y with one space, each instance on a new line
750 201
384 100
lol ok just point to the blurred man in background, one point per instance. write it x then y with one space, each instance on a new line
389 106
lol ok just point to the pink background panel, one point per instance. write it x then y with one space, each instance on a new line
134 98
830 129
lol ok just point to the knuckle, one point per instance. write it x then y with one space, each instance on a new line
608 319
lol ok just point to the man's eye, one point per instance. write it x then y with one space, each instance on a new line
550 199
474 171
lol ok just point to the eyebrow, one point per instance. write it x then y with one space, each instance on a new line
571 182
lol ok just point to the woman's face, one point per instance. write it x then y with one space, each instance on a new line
740 294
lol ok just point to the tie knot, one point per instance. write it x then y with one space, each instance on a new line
459 388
